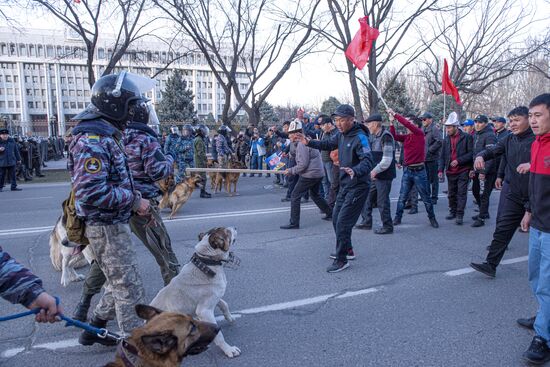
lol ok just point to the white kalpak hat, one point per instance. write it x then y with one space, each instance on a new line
452 120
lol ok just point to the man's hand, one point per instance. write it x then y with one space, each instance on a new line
481 176
479 163
143 208
398 166
286 172
498 184
454 163
440 175
349 171
524 168
472 174
48 308
526 221
391 115
373 175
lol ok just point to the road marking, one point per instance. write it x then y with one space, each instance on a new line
69 343
37 198
454 273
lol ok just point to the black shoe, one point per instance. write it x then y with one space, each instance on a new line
407 206
290 226
337 266
244 174
16 189
397 221
268 175
434 201
349 256
413 211
538 352
383 230
327 216
87 338
285 199
81 310
478 223
476 209
459 221
475 217
251 175
206 195
484 268
366 226
527 323
285 185
433 223
41 175
304 200
451 216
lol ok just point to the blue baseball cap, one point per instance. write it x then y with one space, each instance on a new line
468 122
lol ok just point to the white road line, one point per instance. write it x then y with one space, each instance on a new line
69 343
454 273
36 198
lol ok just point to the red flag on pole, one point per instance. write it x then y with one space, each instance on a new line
358 50
448 86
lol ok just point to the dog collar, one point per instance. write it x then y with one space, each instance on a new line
129 354
202 264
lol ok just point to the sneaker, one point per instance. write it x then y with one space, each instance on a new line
459 221
413 211
451 216
527 323
337 266
434 201
384 230
433 223
285 199
478 223
16 189
327 217
366 226
538 352
397 221
484 268
290 226
349 256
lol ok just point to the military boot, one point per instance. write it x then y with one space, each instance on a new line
87 338
205 194
81 310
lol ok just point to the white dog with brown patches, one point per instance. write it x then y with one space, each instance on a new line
201 283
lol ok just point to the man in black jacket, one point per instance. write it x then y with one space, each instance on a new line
456 160
355 159
433 151
483 179
516 149
9 158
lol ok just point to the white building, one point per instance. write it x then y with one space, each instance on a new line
44 78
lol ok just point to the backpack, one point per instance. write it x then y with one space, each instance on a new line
74 225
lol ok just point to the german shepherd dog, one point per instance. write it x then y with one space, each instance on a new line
165 340
178 195
232 178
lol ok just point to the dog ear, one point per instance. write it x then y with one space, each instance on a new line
147 312
160 343
201 236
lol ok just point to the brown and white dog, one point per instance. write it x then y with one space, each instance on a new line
180 193
201 283
67 256
228 179
164 340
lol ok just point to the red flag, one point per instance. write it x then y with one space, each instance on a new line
77 1
358 50
448 86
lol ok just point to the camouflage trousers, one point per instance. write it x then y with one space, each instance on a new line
112 249
182 167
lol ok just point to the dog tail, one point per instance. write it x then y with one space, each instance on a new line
55 248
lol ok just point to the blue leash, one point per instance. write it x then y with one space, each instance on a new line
100 332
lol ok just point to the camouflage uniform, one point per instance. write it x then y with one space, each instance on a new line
184 156
223 149
170 144
199 150
105 198
17 284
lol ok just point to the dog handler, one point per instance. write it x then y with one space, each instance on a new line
355 159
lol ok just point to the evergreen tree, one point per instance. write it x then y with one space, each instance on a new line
330 105
398 99
267 114
436 108
177 100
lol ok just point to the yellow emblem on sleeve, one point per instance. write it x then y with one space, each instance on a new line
92 165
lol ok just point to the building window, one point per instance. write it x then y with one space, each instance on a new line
86 93
31 50
17 104
39 51
35 79
2 104
49 51
63 80
44 105
15 78
65 105
73 105
42 80
27 79
36 92
71 93
3 49
29 92
22 50
80 105
10 104
30 104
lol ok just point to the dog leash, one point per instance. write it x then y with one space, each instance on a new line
100 332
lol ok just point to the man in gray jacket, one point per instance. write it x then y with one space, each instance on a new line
433 150
309 167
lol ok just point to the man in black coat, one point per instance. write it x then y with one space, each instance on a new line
433 151
9 158
456 161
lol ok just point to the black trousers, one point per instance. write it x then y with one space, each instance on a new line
334 186
458 192
433 179
508 221
9 173
303 185
483 197
379 196
347 209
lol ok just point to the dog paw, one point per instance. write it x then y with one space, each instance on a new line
231 352
229 318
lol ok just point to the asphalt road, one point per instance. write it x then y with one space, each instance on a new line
395 306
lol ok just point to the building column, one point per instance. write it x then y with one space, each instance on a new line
195 89
25 116
49 103
59 101
214 97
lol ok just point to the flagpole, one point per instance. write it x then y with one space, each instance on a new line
375 89
444 111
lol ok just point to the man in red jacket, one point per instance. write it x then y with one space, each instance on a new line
537 218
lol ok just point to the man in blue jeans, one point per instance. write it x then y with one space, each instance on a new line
537 218
414 171
257 152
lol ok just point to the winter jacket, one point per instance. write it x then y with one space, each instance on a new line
146 161
413 151
353 152
500 162
464 152
199 151
102 183
434 143
484 139
308 162
17 284
539 183
325 154
10 156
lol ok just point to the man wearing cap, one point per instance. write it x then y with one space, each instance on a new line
468 127
456 161
383 156
9 158
355 160
483 179
433 151
501 132
329 130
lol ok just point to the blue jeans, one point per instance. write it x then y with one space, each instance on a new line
256 161
327 179
420 180
539 278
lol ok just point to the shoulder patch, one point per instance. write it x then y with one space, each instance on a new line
92 165
93 138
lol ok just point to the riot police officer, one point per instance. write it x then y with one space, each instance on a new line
184 151
199 147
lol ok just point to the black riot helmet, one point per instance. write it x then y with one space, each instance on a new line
187 130
224 130
111 97
203 130
138 111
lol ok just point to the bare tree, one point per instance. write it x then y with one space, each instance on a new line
241 37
